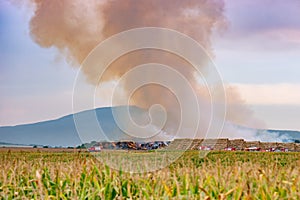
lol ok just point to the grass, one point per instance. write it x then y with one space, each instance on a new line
219 175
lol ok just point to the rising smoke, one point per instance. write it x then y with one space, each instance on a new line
75 27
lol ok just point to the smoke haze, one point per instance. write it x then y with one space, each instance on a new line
75 27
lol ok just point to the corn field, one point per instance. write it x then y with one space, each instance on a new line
219 175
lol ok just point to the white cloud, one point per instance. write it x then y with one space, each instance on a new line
270 94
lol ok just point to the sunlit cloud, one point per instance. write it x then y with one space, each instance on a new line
270 94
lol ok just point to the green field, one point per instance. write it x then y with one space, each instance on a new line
219 175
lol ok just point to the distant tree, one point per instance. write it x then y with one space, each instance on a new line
82 146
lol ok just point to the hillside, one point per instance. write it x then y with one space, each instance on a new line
62 131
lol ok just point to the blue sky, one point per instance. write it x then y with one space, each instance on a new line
258 53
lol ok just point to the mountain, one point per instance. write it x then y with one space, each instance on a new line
63 132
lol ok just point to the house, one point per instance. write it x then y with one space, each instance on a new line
252 149
94 149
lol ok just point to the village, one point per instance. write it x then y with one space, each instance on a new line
222 144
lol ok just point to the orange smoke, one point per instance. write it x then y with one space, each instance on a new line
75 27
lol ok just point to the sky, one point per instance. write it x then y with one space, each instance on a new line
258 53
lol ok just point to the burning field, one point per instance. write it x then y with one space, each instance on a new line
148 135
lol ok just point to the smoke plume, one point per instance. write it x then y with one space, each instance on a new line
75 27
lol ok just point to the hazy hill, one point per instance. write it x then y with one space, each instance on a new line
62 131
